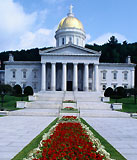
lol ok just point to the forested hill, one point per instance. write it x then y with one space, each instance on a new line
23 55
112 52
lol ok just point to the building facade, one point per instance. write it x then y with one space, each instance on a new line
69 66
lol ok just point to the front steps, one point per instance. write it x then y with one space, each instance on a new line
35 112
44 105
49 104
103 114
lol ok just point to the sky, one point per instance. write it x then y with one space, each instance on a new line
26 24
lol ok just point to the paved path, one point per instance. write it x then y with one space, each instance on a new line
17 131
120 132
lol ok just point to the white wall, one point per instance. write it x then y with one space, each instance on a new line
18 67
120 69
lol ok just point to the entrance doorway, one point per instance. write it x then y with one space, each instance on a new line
69 85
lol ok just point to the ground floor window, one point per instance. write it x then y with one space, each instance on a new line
114 85
23 85
125 86
104 87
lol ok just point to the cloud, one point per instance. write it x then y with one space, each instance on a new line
19 30
105 37
13 19
88 37
40 38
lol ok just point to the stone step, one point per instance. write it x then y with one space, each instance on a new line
93 105
35 112
43 104
103 114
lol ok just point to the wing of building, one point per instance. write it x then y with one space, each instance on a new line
69 66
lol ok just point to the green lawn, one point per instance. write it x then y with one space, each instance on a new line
10 102
128 104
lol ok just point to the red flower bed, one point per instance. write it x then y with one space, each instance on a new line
69 141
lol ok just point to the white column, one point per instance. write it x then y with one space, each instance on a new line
64 77
75 77
43 77
86 77
132 79
53 76
96 78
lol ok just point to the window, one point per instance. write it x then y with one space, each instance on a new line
125 76
63 41
125 86
103 87
77 41
115 75
104 76
24 74
35 74
35 85
13 74
114 86
23 85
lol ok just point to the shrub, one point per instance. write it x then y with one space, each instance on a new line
108 92
5 88
17 90
120 92
28 91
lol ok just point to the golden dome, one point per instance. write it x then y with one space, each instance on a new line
70 22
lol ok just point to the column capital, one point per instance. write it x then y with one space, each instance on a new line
53 63
96 64
75 63
64 63
43 62
86 63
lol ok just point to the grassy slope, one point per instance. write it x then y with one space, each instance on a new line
10 102
128 104
108 147
34 143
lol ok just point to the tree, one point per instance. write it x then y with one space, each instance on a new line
133 91
4 89
113 40
17 90
108 92
119 93
28 91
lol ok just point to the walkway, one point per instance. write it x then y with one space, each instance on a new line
17 131
121 133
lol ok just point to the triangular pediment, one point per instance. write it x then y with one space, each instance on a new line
69 49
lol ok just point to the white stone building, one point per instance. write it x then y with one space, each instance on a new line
69 66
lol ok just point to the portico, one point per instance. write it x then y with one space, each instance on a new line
68 76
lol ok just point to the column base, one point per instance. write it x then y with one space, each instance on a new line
86 89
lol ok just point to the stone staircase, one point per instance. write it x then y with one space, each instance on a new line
49 104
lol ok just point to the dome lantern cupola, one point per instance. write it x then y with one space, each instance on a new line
70 30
